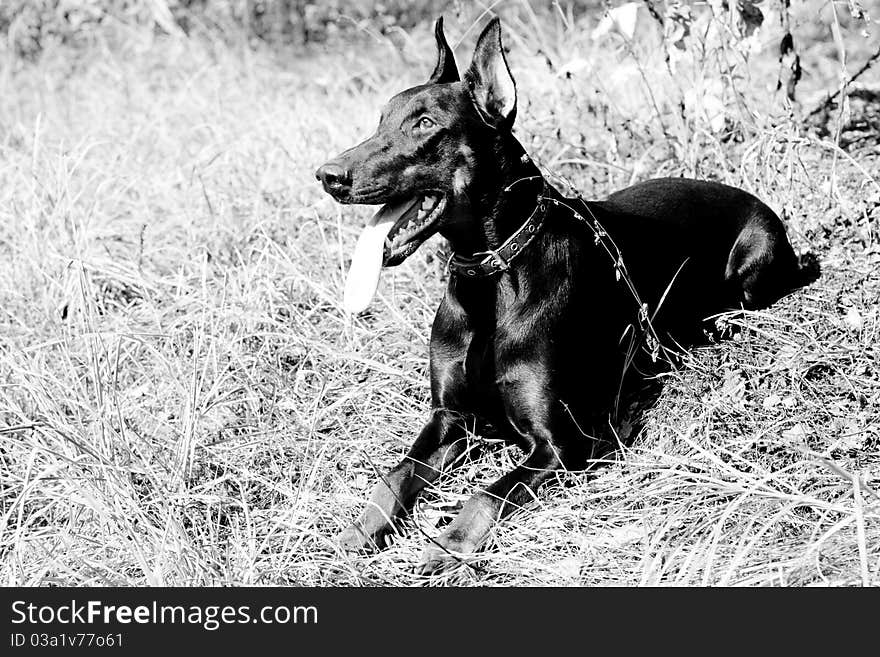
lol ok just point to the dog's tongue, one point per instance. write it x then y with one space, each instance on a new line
366 261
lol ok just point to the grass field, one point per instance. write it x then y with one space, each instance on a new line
183 400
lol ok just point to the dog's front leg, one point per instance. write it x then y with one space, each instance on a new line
529 405
475 520
441 441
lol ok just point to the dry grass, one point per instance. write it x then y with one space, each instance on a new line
184 401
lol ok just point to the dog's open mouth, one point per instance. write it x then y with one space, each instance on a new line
391 236
413 228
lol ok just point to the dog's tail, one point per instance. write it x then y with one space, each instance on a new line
808 270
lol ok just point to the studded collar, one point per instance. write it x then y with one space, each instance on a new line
488 263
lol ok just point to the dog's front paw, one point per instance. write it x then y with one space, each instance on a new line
435 560
354 539
443 554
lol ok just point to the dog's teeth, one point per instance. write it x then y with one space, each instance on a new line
421 213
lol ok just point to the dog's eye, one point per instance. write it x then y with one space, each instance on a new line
425 123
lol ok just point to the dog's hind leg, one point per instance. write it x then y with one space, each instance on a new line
762 267
440 443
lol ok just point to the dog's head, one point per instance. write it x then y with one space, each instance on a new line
431 139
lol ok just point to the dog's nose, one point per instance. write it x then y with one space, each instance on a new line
333 176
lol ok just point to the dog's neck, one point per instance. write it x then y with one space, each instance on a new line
502 197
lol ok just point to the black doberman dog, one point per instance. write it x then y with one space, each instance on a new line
548 297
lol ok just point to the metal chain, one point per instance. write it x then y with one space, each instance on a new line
601 237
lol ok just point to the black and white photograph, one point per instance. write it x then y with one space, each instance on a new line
435 293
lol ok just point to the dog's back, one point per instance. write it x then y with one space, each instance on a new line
733 241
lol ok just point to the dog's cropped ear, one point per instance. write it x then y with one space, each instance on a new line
445 70
489 81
